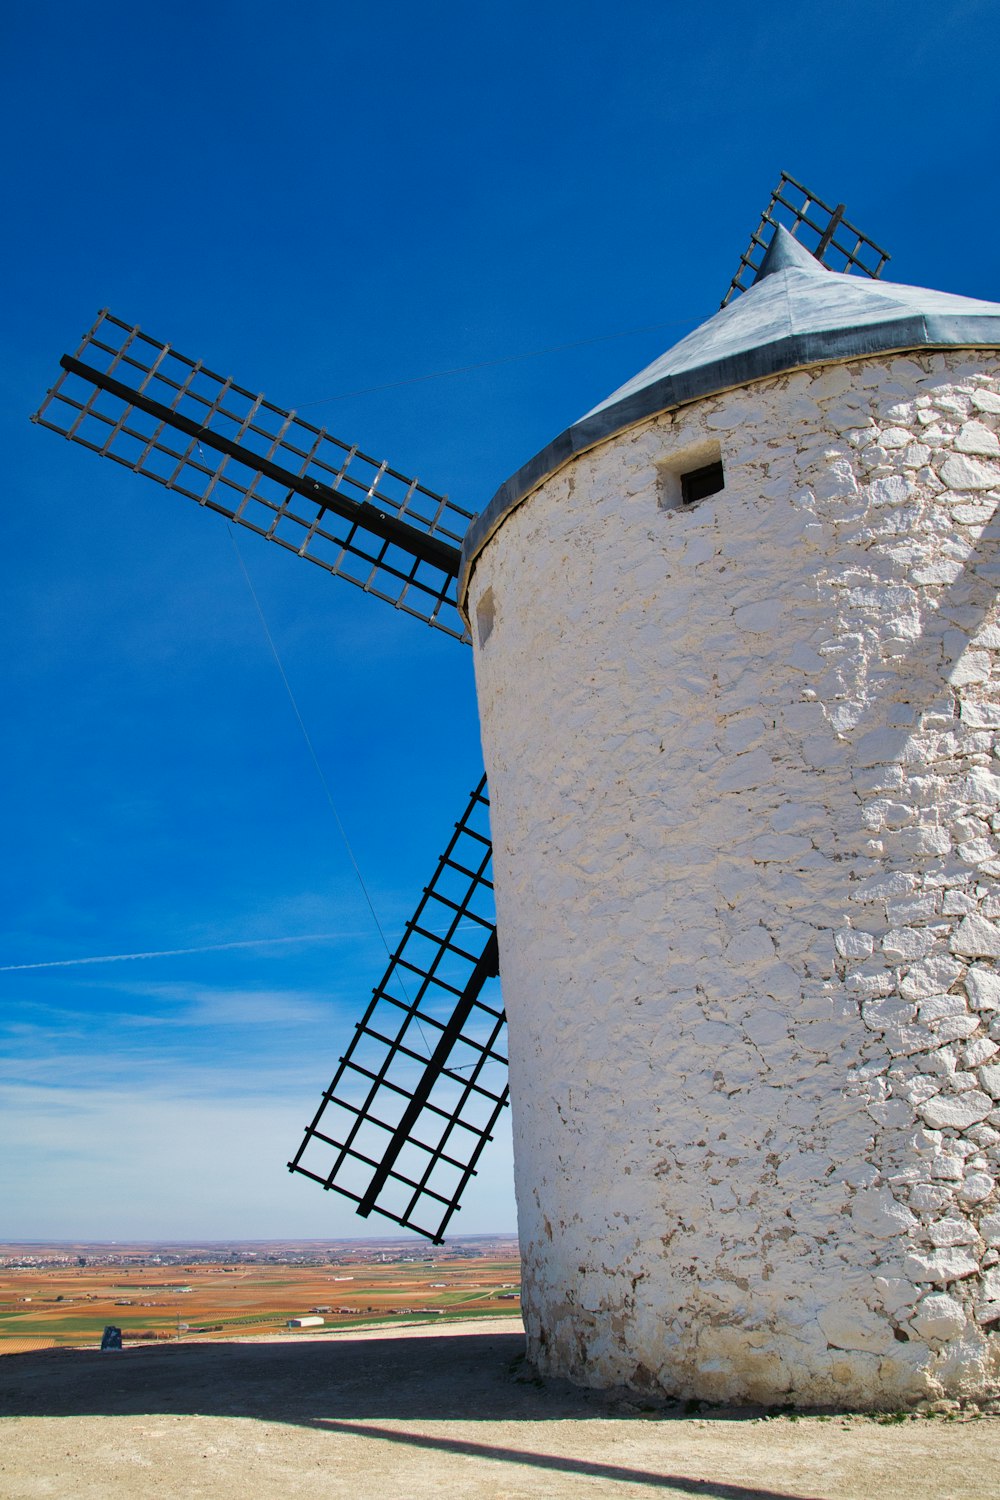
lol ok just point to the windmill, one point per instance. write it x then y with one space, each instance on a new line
422 1082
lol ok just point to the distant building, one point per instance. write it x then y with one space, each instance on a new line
308 1321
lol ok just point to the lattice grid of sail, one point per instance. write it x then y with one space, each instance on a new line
141 403
420 1088
821 228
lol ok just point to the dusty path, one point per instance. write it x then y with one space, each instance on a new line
443 1412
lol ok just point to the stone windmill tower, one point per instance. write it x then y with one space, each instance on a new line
735 635
736 643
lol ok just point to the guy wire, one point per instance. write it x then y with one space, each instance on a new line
319 769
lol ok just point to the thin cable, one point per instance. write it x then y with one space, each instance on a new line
319 772
486 364
305 735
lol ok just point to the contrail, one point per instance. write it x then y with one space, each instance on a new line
117 958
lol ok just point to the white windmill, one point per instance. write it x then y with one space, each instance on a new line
734 637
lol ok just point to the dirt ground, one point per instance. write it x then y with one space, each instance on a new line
443 1412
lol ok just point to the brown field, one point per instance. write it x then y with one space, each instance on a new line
70 1305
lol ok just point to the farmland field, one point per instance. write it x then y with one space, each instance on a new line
53 1306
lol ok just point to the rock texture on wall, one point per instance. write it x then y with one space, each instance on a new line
746 811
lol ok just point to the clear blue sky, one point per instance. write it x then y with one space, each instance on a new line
318 199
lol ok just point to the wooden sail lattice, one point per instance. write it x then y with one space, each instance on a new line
823 230
419 1090
140 402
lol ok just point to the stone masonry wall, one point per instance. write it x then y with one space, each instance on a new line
743 763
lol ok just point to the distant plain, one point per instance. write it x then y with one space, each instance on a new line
61 1306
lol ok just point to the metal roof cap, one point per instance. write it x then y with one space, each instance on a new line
796 314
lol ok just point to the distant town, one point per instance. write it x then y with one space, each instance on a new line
37 1255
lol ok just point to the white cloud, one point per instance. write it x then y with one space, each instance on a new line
204 1005
176 1116
92 1162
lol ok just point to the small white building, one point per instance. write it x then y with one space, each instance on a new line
738 661
308 1320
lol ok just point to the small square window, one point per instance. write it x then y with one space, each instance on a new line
698 484
688 474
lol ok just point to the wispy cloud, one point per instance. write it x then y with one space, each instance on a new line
188 1038
199 1006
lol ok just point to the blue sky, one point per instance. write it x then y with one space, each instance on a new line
320 200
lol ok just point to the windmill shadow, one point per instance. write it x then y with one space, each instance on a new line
971 596
353 1387
963 606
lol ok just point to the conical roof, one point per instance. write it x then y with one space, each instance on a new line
797 313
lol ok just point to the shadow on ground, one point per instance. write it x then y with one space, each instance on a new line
347 1387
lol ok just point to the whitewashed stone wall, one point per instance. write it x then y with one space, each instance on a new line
743 762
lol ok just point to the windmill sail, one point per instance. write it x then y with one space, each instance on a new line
133 399
823 230
422 1084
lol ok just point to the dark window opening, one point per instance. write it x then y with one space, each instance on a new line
700 483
